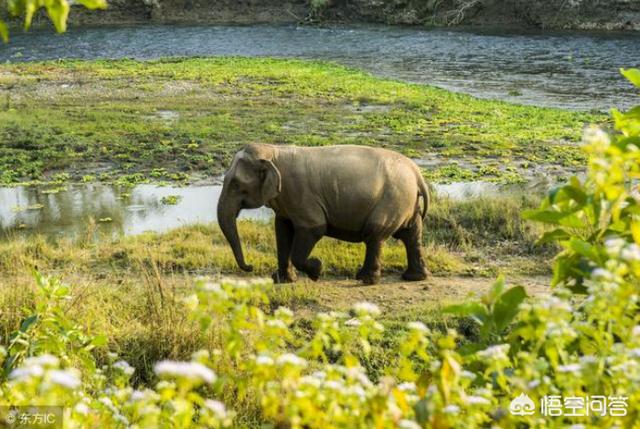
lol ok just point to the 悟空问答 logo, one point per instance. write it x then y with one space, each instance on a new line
522 405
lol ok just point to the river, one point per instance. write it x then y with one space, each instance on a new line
569 70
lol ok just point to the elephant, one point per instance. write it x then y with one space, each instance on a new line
349 192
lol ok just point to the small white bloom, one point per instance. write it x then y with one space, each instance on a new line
418 326
573 367
533 384
477 400
45 361
468 374
353 322
408 424
81 408
631 253
264 360
283 312
25 373
217 408
276 323
65 378
124 366
498 351
602 274
596 135
291 359
366 308
451 409
193 371
407 386
614 245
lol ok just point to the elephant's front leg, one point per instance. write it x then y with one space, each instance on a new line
371 269
304 239
284 242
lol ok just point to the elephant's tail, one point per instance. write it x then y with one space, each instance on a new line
425 192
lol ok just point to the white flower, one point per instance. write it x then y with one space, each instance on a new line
477 400
186 370
594 134
408 424
283 313
636 331
124 367
407 386
574 367
353 322
366 309
418 326
602 274
264 360
25 373
451 409
291 359
498 351
217 408
276 323
468 374
81 408
64 378
533 384
614 246
45 361
631 253
333 385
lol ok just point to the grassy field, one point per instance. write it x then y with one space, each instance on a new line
131 288
182 119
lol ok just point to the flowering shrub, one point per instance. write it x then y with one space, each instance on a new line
533 357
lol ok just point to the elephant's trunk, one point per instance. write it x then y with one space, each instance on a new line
228 209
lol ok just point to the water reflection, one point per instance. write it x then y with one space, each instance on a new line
116 210
131 211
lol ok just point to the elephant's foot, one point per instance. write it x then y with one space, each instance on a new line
368 277
288 276
415 275
313 268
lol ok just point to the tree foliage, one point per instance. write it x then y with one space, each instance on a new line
57 11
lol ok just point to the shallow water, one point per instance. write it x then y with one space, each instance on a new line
130 211
572 70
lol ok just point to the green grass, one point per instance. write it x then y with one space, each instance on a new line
176 119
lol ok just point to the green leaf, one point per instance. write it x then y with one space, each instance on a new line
26 323
4 31
474 310
507 306
93 4
58 11
557 234
585 249
633 75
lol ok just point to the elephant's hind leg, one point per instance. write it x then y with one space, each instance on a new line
412 239
371 269
304 239
284 242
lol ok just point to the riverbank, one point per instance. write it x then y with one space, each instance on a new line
181 120
618 15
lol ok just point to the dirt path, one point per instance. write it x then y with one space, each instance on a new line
393 294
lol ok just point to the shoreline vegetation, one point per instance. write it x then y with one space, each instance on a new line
181 120
588 15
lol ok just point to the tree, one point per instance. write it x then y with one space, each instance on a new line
57 11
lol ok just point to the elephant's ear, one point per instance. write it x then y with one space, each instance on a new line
271 180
